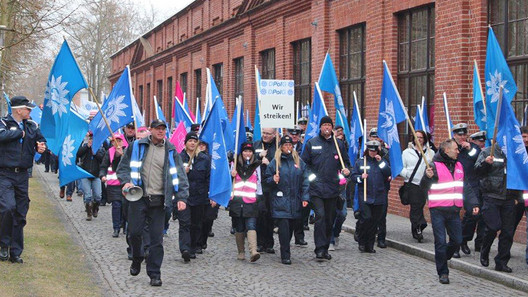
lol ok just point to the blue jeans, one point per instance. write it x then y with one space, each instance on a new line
91 189
245 224
445 220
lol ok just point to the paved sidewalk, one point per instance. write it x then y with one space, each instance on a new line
389 272
399 237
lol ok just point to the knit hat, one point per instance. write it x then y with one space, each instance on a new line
326 120
191 135
247 146
286 139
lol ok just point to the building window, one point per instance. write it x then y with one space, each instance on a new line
352 67
268 64
218 76
198 84
159 92
147 95
239 77
416 62
170 101
302 71
509 20
183 83
141 98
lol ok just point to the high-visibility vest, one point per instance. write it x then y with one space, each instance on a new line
449 189
525 197
247 190
136 162
111 176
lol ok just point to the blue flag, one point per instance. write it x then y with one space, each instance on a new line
220 180
391 112
161 116
356 132
65 80
198 114
117 108
8 103
75 133
181 115
224 119
140 120
497 74
511 142
36 114
328 82
478 101
418 119
239 127
425 116
318 111
248 121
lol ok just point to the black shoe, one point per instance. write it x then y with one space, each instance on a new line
361 248
503 268
17 259
356 237
444 279
186 256
311 220
306 228
465 249
382 244
204 246
301 242
370 250
420 238
198 251
320 256
286 261
260 249
4 253
155 282
210 234
116 233
233 231
135 268
270 251
327 256
484 260
192 256
456 255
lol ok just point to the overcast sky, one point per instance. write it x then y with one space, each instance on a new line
167 8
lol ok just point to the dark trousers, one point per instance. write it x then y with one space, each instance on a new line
70 187
382 224
197 214
117 212
244 224
417 202
518 214
14 206
299 225
184 232
470 223
210 214
445 220
325 212
265 224
498 215
141 214
371 215
286 227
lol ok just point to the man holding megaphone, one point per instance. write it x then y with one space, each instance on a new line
153 164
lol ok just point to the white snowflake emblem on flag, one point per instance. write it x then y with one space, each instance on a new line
313 127
113 112
520 149
390 123
215 155
67 151
56 95
494 85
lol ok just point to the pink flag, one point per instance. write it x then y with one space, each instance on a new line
178 137
180 96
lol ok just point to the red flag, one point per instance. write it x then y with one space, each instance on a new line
178 93
178 137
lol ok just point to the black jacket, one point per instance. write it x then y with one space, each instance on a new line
470 197
321 158
378 173
89 161
292 189
468 157
271 147
14 153
198 176
493 176
123 171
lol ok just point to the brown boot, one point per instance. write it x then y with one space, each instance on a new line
252 240
240 236
95 209
69 198
88 207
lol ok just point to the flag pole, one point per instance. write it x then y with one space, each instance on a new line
497 117
156 107
103 116
480 87
420 148
446 111
364 159
338 152
237 131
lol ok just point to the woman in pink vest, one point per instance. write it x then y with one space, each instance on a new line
447 190
243 205
107 173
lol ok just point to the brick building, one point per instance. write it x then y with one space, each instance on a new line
429 46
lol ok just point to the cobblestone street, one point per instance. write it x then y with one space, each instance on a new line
389 272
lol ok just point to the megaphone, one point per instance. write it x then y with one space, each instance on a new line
133 194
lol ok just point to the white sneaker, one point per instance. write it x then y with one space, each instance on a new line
331 247
336 244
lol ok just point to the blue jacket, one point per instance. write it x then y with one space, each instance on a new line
123 171
198 176
320 155
378 173
292 189
14 153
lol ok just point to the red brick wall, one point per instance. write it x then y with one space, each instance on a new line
460 32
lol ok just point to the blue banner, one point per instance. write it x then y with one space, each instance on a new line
318 111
